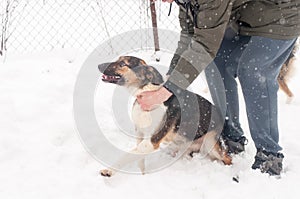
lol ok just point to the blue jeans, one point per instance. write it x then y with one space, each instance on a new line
256 62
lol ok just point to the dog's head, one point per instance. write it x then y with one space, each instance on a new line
130 71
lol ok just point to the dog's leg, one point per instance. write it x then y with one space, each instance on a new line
284 87
129 158
282 79
166 133
118 165
141 165
126 159
219 152
144 148
141 162
211 146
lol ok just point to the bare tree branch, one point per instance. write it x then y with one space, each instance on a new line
9 16
100 10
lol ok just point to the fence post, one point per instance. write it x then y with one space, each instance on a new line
154 26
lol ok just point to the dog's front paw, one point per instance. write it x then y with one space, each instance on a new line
106 173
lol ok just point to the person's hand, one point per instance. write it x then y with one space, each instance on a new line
149 100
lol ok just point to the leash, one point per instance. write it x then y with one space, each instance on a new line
189 7
170 9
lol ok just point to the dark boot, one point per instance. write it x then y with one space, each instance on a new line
268 162
233 139
236 146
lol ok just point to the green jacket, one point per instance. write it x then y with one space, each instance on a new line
204 22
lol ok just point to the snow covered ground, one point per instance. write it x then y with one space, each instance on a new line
41 155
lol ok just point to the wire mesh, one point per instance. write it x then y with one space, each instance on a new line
45 25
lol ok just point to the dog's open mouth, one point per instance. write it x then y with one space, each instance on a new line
110 78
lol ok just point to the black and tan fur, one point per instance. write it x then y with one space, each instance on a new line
186 116
286 73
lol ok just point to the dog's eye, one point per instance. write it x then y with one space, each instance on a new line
123 64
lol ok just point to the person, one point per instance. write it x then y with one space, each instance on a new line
244 39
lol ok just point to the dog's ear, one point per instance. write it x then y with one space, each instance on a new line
156 77
148 74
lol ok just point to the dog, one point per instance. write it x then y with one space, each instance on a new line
180 113
286 72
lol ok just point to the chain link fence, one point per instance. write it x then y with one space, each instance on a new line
45 25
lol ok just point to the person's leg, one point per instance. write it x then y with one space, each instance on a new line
226 63
258 70
232 128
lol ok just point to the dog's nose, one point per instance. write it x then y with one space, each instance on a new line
103 66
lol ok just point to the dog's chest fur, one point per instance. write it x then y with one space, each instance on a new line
147 122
